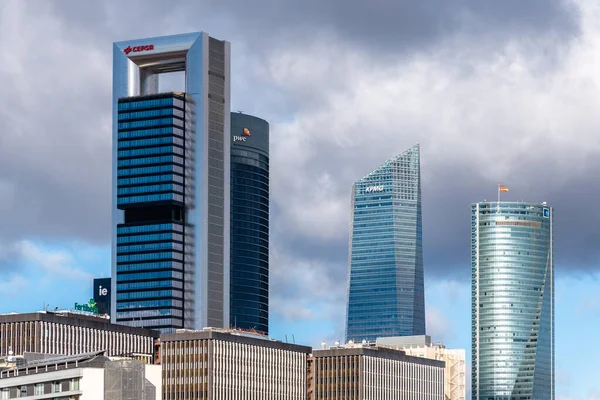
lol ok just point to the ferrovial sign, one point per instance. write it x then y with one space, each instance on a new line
89 307
137 49
374 189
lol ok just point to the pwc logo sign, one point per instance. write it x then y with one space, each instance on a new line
137 49
245 134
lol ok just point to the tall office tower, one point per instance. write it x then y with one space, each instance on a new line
512 302
171 164
249 269
385 278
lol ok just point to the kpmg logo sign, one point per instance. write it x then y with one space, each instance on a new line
137 49
89 307
243 137
374 189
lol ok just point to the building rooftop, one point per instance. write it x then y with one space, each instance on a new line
373 350
233 335
76 319
41 363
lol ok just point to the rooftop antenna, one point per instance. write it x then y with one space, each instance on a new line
286 338
240 111
293 339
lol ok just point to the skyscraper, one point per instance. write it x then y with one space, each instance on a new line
512 301
170 258
385 278
249 290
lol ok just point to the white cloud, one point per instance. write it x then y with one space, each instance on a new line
522 114
12 285
439 326
52 262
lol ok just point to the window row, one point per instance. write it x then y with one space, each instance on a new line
149 275
150 238
166 187
123 305
150 103
140 180
149 294
159 112
149 285
151 122
150 256
148 151
169 130
150 170
150 247
150 160
150 198
149 228
125 144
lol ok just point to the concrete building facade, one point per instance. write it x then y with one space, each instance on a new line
223 364
68 333
357 372
421 346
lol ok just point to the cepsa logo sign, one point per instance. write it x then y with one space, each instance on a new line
137 49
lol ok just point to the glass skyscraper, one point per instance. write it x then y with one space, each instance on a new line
171 198
385 278
249 290
512 301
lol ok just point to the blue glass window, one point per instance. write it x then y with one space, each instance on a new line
150 170
125 144
149 256
150 132
149 198
150 188
150 160
150 122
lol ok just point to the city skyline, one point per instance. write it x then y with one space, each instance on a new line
490 105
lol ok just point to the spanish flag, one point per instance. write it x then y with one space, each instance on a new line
502 188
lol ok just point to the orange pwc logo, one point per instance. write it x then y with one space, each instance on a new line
246 132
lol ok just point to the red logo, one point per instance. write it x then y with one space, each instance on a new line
137 49
246 132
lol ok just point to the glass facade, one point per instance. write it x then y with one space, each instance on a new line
385 283
512 301
249 290
151 241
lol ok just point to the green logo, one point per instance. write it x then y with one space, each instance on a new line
90 307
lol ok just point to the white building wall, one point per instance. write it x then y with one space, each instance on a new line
154 375
455 359
386 379
92 384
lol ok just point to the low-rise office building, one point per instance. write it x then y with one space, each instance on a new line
68 333
365 371
223 364
90 376
421 346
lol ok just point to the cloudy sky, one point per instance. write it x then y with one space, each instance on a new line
495 92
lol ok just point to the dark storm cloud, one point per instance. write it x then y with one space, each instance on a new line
381 25
55 109
393 26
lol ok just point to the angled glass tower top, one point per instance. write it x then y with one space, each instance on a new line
385 278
